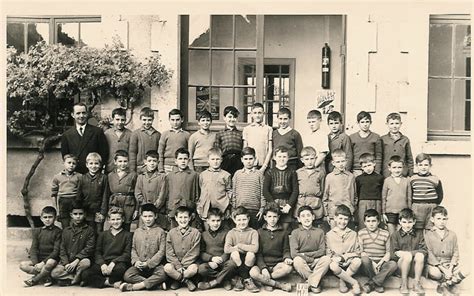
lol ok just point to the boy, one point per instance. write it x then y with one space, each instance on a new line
171 140
230 141
310 185
273 257
182 250
374 243
118 137
409 251
122 183
66 188
395 143
259 136
247 185
242 244
216 267
288 137
365 141
344 250
112 254
338 139
280 185
143 139
427 191
148 253
95 192
316 138
183 185
443 252
77 248
339 187
200 142
396 193
44 251
368 188
308 250
216 187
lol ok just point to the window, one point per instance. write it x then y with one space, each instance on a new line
449 77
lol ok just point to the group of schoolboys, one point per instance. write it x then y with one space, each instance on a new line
229 180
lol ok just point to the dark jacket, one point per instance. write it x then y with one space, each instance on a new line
45 244
77 242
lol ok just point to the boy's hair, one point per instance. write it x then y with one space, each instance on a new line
257 105
70 156
338 153
305 208
77 205
308 150
248 151
407 214
148 207
284 111
94 155
175 112
366 158
232 110
115 210
240 211
147 112
281 149
119 112
215 212
394 116
395 158
363 114
49 210
314 114
204 114
181 150
152 154
214 151
335 116
121 153
272 207
343 210
371 213
183 209
423 156
439 210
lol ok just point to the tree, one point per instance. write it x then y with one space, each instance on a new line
42 85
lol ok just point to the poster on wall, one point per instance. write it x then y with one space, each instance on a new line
207 101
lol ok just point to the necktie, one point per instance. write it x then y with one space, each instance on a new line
81 133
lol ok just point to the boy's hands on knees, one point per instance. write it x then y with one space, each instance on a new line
39 266
213 265
216 259
99 217
259 214
338 259
181 269
240 248
385 218
288 261
71 266
135 215
378 266
286 209
110 267
103 269
448 274
266 274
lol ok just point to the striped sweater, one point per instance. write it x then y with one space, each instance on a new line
375 244
248 189
426 189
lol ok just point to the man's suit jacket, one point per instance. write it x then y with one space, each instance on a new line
93 140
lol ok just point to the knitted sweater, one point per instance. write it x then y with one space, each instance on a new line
426 189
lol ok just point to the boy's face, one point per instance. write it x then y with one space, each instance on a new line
339 163
230 120
151 163
248 161
372 223
306 219
341 221
119 121
115 221
214 161
121 163
79 113
314 124
394 125
77 216
93 165
308 161
281 158
334 126
439 220
368 167
147 121
283 120
257 114
214 222
396 169
424 167
406 224
271 218
364 124
47 219
175 121
182 218
241 221
148 218
205 123
70 164
182 161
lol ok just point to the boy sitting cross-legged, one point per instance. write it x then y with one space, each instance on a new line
273 257
242 245
148 253
216 267
182 250
44 251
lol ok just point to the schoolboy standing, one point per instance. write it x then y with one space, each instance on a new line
229 141
258 135
200 142
118 137
288 137
338 139
144 139
44 250
316 137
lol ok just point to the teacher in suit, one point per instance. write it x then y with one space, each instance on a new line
83 138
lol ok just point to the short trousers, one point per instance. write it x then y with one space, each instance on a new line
392 218
422 214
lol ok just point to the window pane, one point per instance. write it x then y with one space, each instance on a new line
225 98
38 32
245 31
439 105
463 51
222 67
202 98
199 67
461 100
440 50
222 35
244 98
91 35
68 34
16 36
245 68
199 30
